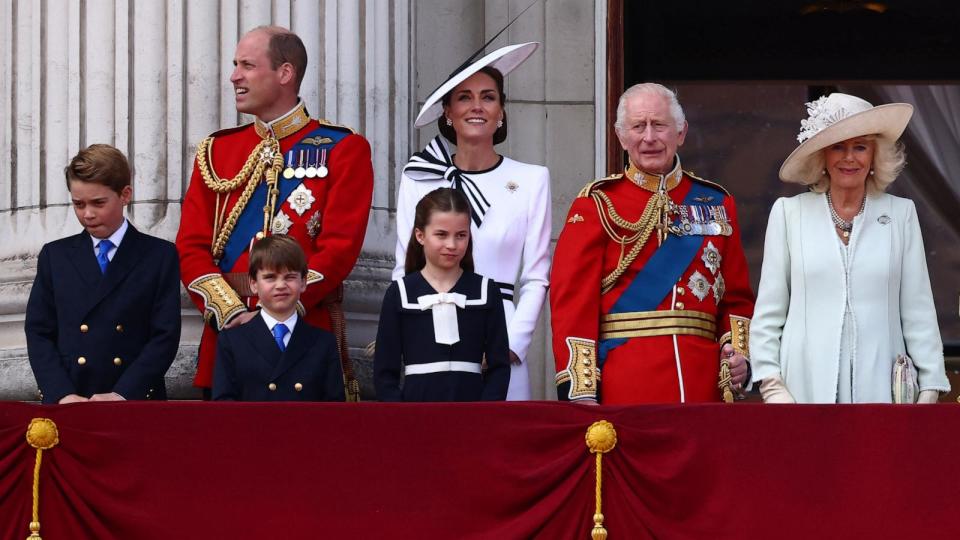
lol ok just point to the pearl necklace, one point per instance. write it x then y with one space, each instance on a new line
845 226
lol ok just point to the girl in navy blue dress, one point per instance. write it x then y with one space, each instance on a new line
440 321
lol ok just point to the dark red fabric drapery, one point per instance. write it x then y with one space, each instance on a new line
143 471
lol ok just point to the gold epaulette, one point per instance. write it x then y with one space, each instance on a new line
593 184
221 302
707 182
328 123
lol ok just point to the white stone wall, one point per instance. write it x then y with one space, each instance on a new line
152 78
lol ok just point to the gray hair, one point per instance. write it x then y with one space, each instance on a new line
676 111
889 159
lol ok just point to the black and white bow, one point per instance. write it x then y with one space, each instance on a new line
434 163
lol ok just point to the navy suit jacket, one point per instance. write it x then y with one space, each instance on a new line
250 366
91 333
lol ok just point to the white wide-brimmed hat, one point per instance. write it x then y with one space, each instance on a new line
504 59
836 118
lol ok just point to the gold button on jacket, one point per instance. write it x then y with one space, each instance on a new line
84 328
82 360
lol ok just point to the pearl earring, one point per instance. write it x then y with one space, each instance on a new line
500 123
871 172
824 172
449 122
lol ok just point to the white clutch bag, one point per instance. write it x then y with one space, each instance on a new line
905 386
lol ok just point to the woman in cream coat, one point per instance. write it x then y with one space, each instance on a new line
844 287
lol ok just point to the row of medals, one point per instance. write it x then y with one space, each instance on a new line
712 220
311 171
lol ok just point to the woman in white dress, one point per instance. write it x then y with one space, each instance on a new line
510 200
844 290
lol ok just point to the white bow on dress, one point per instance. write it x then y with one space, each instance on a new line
444 306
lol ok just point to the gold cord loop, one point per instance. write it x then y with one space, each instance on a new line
601 438
264 162
652 215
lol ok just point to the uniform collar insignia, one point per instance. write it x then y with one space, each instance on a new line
651 182
284 126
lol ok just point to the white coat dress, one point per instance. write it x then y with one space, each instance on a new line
512 246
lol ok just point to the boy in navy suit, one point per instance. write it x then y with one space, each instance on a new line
277 356
103 318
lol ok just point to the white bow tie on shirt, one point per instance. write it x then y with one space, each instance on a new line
444 307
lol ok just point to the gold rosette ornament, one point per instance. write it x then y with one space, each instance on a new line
601 438
41 434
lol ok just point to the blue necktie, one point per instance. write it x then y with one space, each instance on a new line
279 331
104 247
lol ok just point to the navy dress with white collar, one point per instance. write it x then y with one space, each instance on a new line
414 332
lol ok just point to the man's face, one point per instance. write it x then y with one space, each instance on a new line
278 290
257 86
649 133
99 208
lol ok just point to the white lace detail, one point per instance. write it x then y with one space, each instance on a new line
820 117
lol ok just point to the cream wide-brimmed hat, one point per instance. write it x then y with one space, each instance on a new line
504 59
836 118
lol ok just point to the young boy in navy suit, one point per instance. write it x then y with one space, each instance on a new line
277 356
103 318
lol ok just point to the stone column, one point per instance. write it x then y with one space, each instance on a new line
152 78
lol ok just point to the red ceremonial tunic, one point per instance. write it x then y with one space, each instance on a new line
329 221
671 352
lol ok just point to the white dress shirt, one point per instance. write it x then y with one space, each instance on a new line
290 323
114 238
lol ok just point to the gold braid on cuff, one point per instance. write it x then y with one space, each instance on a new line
582 372
740 334
220 300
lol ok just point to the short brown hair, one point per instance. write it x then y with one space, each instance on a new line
500 134
277 252
285 46
438 200
99 164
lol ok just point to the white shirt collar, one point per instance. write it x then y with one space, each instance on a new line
114 238
290 323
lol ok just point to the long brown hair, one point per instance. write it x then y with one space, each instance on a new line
438 200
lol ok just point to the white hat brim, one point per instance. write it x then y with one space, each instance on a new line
886 121
504 59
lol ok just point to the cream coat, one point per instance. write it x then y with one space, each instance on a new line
795 332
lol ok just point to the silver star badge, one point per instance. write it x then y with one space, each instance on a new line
698 285
711 257
301 199
719 287
281 223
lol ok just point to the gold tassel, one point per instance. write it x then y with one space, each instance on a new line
601 438
41 434
726 381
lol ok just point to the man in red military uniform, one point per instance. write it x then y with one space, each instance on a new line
284 173
649 292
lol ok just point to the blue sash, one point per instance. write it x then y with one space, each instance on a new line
656 279
250 221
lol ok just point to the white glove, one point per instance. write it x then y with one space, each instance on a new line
773 390
928 396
